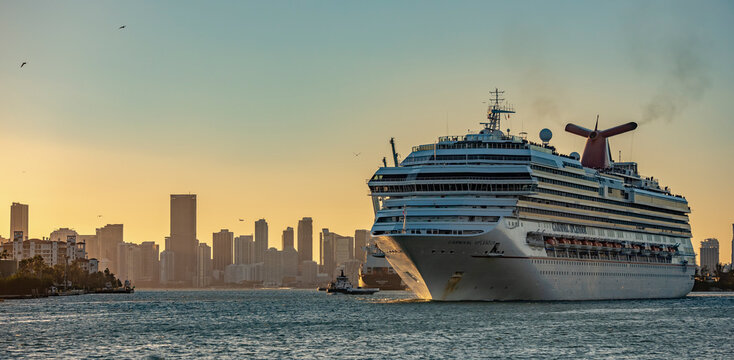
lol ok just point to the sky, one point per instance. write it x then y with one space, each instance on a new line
260 107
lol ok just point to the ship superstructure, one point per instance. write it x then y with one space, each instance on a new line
490 216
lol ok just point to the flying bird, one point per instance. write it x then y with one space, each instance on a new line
121 27
242 219
356 154
21 65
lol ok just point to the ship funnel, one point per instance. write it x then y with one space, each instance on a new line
596 153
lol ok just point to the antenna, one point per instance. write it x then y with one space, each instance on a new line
495 111
620 155
394 154
384 161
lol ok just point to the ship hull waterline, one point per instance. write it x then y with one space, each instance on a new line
491 267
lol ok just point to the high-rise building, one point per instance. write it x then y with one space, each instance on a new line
305 239
709 256
261 239
272 267
203 265
361 238
108 237
150 265
129 262
19 220
244 250
289 258
167 267
182 239
92 245
288 238
222 247
62 234
334 250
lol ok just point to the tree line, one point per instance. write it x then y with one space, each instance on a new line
34 275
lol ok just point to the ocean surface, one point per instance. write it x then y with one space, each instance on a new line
309 324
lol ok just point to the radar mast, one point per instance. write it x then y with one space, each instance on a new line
495 111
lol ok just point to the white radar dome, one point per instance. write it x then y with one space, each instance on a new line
575 155
545 135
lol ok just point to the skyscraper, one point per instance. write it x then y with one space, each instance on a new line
272 267
334 250
19 220
149 274
183 237
305 239
709 255
361 237
244 250
203 265
261 239
222 248
288 238
108 237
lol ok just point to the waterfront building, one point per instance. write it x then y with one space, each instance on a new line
289 258
92 245
261 239
167 267
150 264
19 220
241 273
244 249
203 265
361 238
53 252
309 271
129 262
305 239
182 239
61 234
287 238
272 267
108 237
222 247
334 250
709 255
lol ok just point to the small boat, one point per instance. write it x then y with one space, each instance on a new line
342 286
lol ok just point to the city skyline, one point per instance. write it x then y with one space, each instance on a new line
230 89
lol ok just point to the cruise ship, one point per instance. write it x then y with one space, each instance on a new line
494 217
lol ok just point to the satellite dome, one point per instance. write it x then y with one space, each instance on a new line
575 155
545 135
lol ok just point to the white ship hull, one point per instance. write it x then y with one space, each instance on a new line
499 265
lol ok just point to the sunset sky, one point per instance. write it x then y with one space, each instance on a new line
259 107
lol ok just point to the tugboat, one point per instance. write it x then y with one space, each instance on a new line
343 286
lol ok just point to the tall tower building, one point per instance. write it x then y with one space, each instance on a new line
305 239
222 247
244 250
334 250
709 255
19 220
261 239
108 238
288 238
183 237
203 265
361 237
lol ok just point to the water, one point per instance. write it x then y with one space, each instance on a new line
309 324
